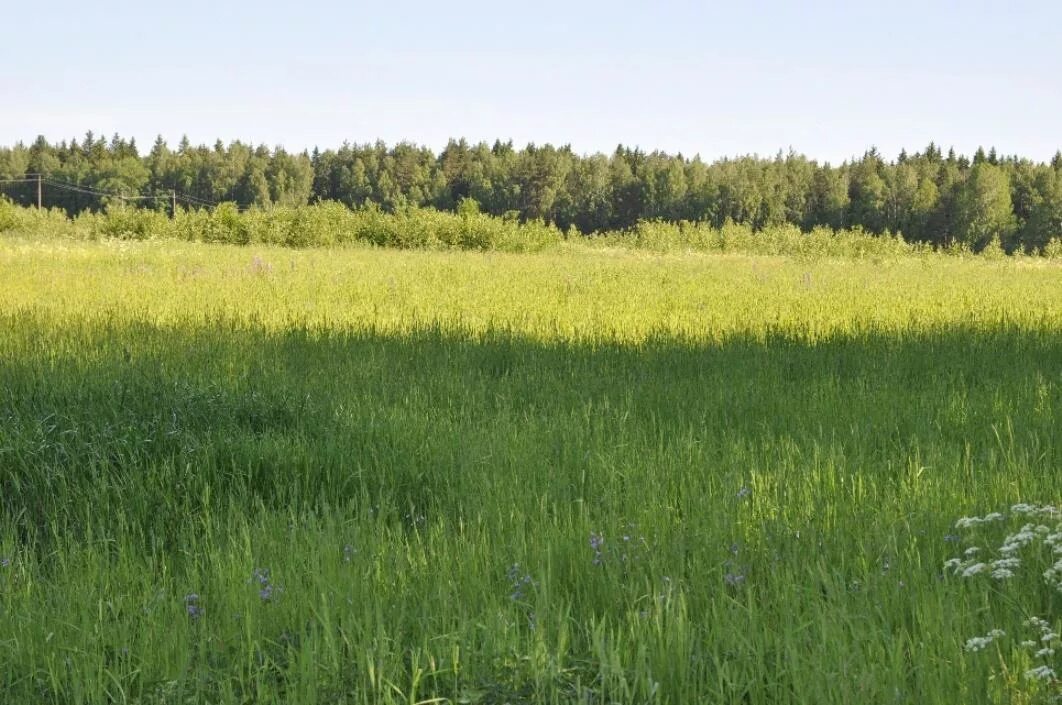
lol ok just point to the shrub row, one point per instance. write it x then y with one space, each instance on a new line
331 223
775 240
322 224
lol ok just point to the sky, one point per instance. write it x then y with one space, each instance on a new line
826 79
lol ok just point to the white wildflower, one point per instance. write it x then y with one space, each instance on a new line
977 643
1043 673
994 516
1029 644
1049 636
968 522
1002 573
1023 508
971 550
975 569
1044 653
1024 537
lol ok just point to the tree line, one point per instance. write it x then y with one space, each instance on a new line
928 196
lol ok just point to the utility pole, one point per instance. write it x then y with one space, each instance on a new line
40 193
173 204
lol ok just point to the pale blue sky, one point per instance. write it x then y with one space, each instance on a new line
828 79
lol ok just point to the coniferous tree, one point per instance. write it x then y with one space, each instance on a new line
829 199
868 193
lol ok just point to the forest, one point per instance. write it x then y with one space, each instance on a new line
928 196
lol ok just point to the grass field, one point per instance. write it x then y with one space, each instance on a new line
255 475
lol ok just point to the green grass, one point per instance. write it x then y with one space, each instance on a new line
424 449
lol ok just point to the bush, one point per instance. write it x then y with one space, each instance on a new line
331 223
9 215
126 223
661 236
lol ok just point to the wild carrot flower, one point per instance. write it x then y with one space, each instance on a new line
1018 547
978 643
1042 673
734 579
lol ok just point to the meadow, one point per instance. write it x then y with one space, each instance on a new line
588 474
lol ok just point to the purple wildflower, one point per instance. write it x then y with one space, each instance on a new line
266 589
597 543
519 582
192 607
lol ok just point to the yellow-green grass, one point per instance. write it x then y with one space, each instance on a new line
578 294
574 476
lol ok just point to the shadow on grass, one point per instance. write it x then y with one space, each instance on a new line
155 421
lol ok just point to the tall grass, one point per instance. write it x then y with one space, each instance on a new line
236 475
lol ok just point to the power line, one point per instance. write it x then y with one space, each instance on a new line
75 188
197 200
81 189
100 193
